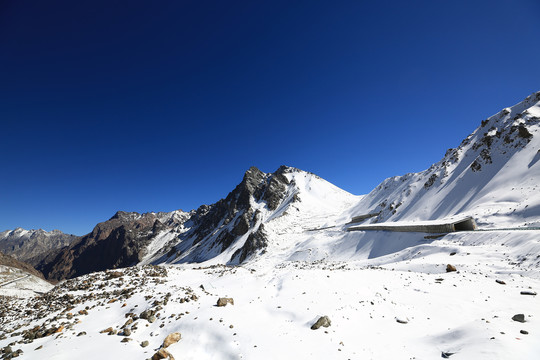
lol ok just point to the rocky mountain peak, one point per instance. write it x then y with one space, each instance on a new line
125 215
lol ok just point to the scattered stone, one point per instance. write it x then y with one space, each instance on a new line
41 346
145 343
519 318
450 268
323 321
128 322
500 282
146 314
162 354
225 301
127 332
114 274
107 330
125 340
171 339
83 312
528 292
151 319
402 321
524 332
453 253
81 333
446 355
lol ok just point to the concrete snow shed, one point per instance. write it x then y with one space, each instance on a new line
466 223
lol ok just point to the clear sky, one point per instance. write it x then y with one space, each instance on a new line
161 105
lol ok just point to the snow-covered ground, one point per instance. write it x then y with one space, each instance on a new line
18 283
464 312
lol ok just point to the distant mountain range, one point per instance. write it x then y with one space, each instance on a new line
32 246
493 176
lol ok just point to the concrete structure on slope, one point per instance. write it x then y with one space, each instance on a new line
360 218
463 223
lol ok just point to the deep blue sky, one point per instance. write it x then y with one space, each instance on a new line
159 105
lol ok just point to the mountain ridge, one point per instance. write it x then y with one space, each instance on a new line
247 221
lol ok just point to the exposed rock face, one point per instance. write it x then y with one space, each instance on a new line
10 261
32 246
257 240
118 242
235 214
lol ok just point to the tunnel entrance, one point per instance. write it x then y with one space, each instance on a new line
465 225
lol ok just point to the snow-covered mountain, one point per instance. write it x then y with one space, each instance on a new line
493 176
231 231
277 252
32 245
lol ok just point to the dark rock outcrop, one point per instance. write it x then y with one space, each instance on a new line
116 243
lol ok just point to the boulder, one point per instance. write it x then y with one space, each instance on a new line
519 318
323 321
171 339
107 330
224 301
450 268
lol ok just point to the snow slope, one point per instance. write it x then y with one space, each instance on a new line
493 176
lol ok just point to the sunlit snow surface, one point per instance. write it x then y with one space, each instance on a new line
466 312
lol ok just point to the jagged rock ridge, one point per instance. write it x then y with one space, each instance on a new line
117 242
131 238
